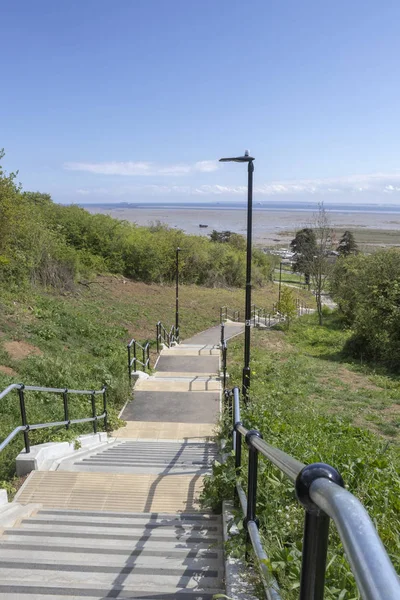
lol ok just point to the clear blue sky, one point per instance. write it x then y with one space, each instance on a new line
123 100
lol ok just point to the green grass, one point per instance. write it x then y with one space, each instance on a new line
80 342
308 401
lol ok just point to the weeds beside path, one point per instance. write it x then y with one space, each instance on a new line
307 399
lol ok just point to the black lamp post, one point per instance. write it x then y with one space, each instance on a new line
250 169
177 295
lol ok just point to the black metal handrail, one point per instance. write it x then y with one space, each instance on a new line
226 313
26 427
173 335
320 490
166 337
135 347
162 336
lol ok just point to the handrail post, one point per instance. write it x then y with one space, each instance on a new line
129 363
224 353
144 358
222 334
157 340
134 355
93 399
65 401
252 478
105 408
316 531
21 395
148 356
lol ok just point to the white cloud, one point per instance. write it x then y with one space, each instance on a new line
140 168
358 185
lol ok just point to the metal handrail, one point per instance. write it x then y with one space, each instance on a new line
226 313
145 362
162 336
320 489
26 427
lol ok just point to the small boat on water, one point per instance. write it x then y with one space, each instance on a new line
202 225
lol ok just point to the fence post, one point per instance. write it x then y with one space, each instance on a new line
105 407
222 334
93 399
65 401
23 418
144 358
158 339
129 363
316 531
134 355
148 355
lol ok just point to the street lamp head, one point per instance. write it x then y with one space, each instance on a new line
178 249
244 158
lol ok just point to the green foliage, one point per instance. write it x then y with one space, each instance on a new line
295 411
347 244
287 306
304 246
367 289
52 245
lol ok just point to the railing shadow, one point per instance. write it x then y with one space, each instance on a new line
194 552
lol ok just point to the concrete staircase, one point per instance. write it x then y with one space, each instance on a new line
123 520
88 554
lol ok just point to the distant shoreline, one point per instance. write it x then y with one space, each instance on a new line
270 227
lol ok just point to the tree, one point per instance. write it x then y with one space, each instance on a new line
222 237
347 244
287 306
304 248
323 262
313 254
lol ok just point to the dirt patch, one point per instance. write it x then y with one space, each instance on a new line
20 350
273 341
7 371
355 380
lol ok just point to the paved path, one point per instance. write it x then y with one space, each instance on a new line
124 520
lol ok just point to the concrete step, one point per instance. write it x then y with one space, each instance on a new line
193 518
173 407
191 350
138 577
127 525
114 492
126 532
179 384
142 457
73 554
123 550
169 560
14 589
199 364
173 432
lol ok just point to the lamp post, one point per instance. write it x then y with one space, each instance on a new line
250 169
177 296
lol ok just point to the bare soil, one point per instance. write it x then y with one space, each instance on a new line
19 350
8 371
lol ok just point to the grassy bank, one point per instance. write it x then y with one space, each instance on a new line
307 400
78 339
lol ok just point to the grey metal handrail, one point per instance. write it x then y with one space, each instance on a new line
320 489
26 427
134 346
370 564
